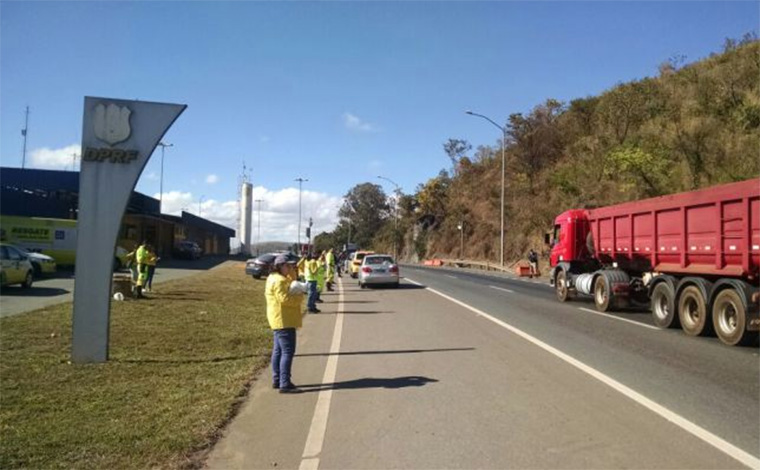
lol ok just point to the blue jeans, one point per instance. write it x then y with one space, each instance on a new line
282 355
311 302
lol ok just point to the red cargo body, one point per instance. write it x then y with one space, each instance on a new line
714 231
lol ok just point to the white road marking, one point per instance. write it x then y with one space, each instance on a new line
316 438
618 318
449 275
501 288
721 444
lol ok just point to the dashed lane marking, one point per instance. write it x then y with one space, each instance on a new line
502 289
612 317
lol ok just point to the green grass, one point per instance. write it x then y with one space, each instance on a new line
179 365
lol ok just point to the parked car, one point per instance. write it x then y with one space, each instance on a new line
15 267
41 264
263 265
188 250
378 270
356 262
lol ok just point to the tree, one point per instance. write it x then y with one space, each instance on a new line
456 150
365 207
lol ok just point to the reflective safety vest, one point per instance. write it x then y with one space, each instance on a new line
312 268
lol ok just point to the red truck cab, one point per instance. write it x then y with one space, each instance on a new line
570 236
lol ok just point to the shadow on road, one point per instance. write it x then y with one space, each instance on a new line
354 302
398 351
33 291
397 382
405 286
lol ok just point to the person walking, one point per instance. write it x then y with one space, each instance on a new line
131 259
310 275
533 260
151 261
284 316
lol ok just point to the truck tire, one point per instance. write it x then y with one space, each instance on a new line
602 297
663 306
560 287
730 319
692 311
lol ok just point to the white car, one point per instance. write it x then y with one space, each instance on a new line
42 264
378 270
15 267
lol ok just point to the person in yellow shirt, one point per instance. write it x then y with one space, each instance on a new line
141 256
284 316
310 274
151 261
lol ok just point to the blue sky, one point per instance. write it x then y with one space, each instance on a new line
336 92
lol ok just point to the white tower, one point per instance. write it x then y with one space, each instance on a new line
246 208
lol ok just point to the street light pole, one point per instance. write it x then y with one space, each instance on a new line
258 234
395 215
503 130
461 239
161 196
300 184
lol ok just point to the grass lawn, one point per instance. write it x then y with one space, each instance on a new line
180 362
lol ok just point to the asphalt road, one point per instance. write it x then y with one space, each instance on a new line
59 288
497 375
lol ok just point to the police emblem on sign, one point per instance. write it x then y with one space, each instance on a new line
112 123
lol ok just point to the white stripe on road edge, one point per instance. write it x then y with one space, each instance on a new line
618 318
449 275
316 438
722 445
501 288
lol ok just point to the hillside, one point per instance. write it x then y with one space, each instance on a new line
692 126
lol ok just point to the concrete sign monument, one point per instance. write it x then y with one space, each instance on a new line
118 138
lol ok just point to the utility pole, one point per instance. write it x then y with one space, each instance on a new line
74 161
24 131
300 184
258 233
159 246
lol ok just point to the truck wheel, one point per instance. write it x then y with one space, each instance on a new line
692 311
663 306
602 298
560 286
730 319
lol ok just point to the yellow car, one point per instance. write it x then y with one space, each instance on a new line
356 262
15 267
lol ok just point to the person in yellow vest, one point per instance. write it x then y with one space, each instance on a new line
330 265
131 259
302 268
321 277
284 316
310 274
141 256
151 261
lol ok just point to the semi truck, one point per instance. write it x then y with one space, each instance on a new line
692 257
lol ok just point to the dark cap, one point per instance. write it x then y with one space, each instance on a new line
283 259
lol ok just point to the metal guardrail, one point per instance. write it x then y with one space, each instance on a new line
485 265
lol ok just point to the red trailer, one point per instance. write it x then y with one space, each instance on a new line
693 256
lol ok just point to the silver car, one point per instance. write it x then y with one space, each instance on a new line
378 270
